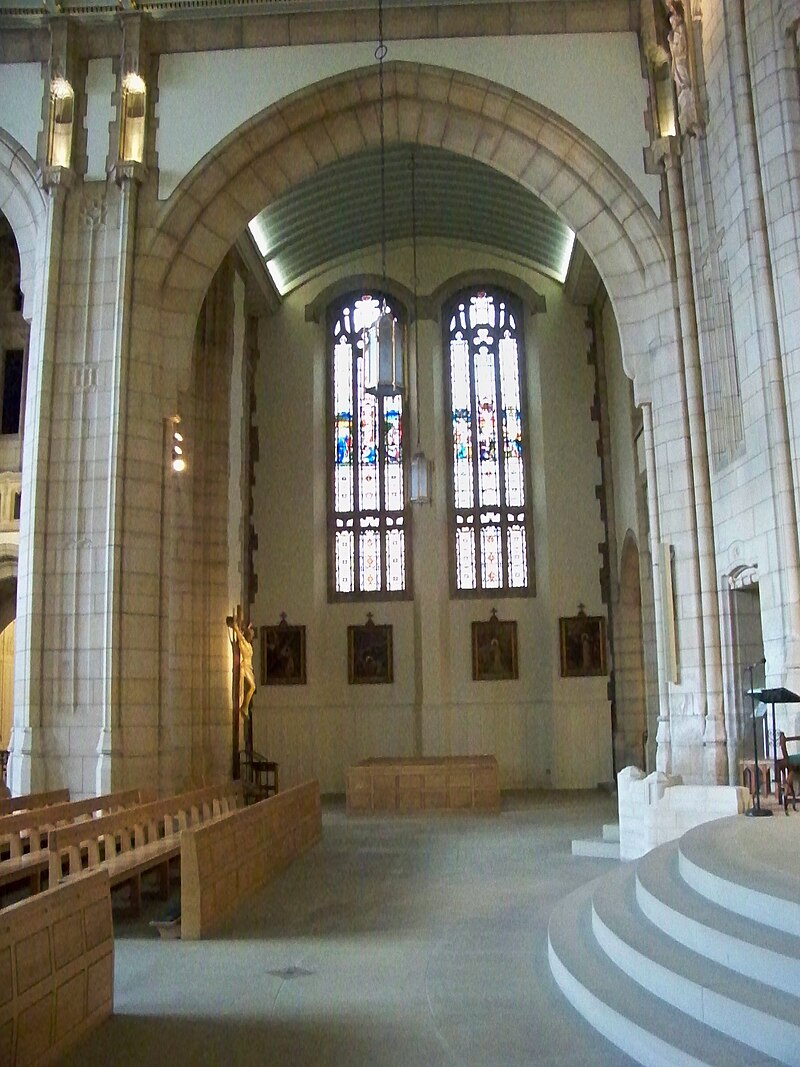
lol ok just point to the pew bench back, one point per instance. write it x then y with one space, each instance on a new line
224 862
137 838
23 836
8 805
56 970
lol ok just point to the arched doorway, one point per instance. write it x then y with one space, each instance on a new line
632 733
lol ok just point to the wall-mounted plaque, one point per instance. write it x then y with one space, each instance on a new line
583 645
369 654
283 654
494 650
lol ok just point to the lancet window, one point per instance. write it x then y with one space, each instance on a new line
490 527
369 518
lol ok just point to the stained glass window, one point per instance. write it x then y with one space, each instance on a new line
490 501
369 516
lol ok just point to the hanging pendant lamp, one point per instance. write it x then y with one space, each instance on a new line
383 340
420 492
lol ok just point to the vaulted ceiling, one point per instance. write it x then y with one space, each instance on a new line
338 213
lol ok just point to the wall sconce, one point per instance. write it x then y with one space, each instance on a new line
665 96
134 105
62 113
178 456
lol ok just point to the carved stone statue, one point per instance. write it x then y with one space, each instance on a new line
681 75
247 678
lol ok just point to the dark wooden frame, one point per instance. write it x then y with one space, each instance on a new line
284 636
359 640
572 631
521 310
494 650
334 310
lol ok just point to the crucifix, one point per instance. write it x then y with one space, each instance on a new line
243 683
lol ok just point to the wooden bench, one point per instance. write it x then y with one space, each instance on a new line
433 783
56 970
138 839
224 862
8 805
23 836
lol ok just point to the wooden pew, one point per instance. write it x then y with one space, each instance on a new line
138 839
224 862
56 970
23 837
8 805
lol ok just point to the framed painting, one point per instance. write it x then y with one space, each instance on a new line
283 654
583 646
494 650
369 654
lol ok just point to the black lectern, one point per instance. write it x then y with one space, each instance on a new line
779 695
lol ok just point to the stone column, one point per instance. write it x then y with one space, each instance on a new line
715 759
663 733
783 650
109 748
27 743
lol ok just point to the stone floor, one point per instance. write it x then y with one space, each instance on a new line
408 941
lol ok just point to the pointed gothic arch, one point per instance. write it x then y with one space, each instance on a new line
184 240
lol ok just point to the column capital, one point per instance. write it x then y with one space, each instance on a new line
129 171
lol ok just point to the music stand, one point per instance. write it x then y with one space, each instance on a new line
758 713
778 695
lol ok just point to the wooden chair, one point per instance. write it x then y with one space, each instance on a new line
788 770
259 777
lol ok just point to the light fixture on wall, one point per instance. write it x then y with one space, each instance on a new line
178 455
420 467
383 340
62 114
133 110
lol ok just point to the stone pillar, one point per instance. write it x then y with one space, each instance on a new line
663 733
109 745
26 770
764 35
782 648
715 759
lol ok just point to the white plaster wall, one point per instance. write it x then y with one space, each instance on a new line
544 730
21 88
593 80
100 85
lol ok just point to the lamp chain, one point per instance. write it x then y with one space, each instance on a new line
380 55
414 271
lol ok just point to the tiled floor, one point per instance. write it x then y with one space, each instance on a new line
410 941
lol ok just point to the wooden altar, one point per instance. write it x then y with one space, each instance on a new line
417 784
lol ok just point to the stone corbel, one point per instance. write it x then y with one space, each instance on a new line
129 171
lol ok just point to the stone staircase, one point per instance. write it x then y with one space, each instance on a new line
691 955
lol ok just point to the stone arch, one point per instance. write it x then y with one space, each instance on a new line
23 204
629 673
185 240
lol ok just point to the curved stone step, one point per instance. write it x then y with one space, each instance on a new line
752 949
768 1020
749 866
650 1031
